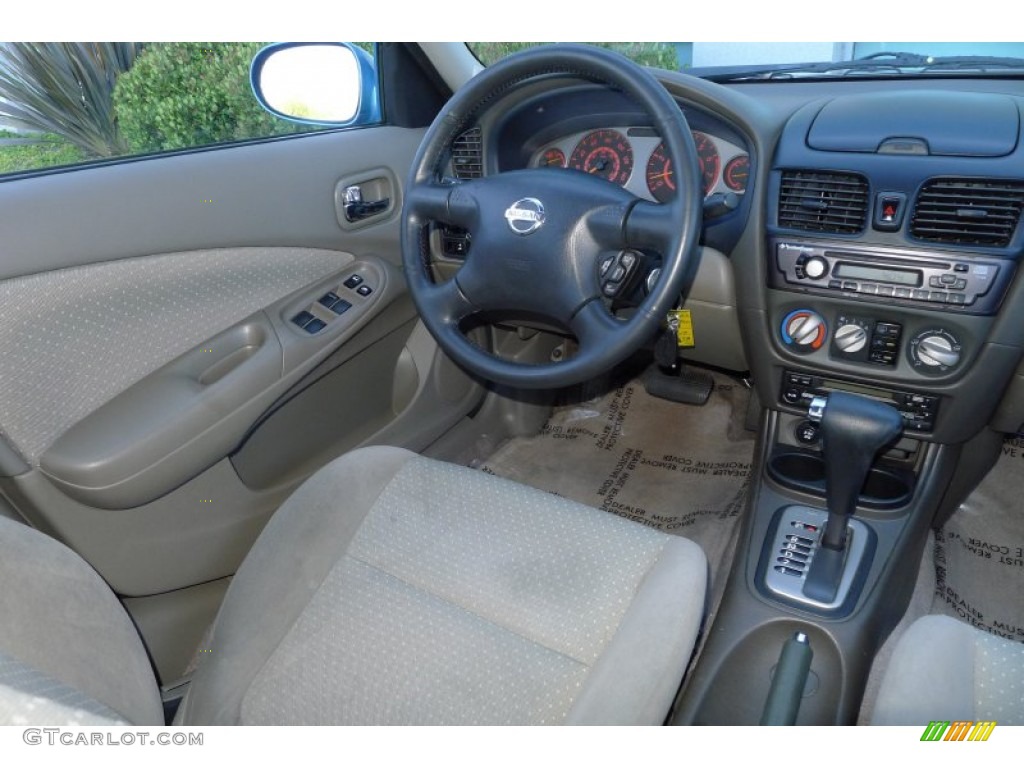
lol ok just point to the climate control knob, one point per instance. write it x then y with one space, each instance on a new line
935 351
803 331
850 338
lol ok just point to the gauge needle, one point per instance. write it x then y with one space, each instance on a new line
666 175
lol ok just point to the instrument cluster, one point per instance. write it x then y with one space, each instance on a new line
636 159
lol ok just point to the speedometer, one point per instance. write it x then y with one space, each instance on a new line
605 153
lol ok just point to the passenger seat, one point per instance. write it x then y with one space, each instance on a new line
945 669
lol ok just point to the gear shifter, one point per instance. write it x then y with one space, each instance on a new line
854 429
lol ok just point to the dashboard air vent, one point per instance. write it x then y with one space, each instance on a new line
968 211
823 201
467 155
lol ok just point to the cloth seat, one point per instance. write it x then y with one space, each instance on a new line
945 669
389 588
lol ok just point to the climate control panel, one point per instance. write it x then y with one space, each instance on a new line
860 338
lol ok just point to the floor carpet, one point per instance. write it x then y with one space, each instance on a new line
680 468
979 553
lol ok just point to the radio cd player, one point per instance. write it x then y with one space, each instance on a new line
962 282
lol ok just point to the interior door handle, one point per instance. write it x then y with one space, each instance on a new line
357 209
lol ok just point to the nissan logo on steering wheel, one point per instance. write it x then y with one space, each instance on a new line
525 216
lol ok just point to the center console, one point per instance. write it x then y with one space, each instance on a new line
893 280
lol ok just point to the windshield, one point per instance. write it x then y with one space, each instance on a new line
771 60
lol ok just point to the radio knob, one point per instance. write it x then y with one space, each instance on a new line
815 267
851 338
804 331
936 350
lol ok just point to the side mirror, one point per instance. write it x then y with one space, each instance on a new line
329 84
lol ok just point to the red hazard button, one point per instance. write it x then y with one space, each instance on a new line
889 208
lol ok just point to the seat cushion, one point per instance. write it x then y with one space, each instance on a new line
391 588
65 638
944 669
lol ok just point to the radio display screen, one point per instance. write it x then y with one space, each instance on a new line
878 274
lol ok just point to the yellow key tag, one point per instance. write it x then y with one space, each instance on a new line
684 329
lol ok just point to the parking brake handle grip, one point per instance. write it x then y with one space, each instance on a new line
783 703
854 429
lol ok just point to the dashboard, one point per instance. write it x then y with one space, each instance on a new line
873 240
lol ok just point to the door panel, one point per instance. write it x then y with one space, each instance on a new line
146 335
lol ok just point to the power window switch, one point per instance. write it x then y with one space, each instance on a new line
314 325
340 306
364 290
329 299
353 281
303 318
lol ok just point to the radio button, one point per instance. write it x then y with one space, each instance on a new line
957 298
947 279
885 290
849 286
835 284
960 284
815 267
961 268
935 281
920 294
937 296
868 288
902 293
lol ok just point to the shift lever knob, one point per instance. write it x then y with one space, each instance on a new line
853 430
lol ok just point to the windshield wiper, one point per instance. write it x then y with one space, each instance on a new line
891 62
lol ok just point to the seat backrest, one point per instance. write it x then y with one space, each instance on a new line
65 639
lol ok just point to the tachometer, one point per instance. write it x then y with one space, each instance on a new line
710 162
661 181
736 173
605 153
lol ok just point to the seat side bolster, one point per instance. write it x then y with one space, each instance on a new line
636 678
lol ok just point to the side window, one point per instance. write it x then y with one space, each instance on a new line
68 103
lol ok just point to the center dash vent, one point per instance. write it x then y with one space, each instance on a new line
823 201
467 155
968 211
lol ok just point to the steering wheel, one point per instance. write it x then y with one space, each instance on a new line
539 236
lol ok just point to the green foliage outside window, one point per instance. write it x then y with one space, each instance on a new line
191 94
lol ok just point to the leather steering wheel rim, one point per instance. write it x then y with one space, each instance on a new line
552 269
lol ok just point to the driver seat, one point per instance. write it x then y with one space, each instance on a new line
388 589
